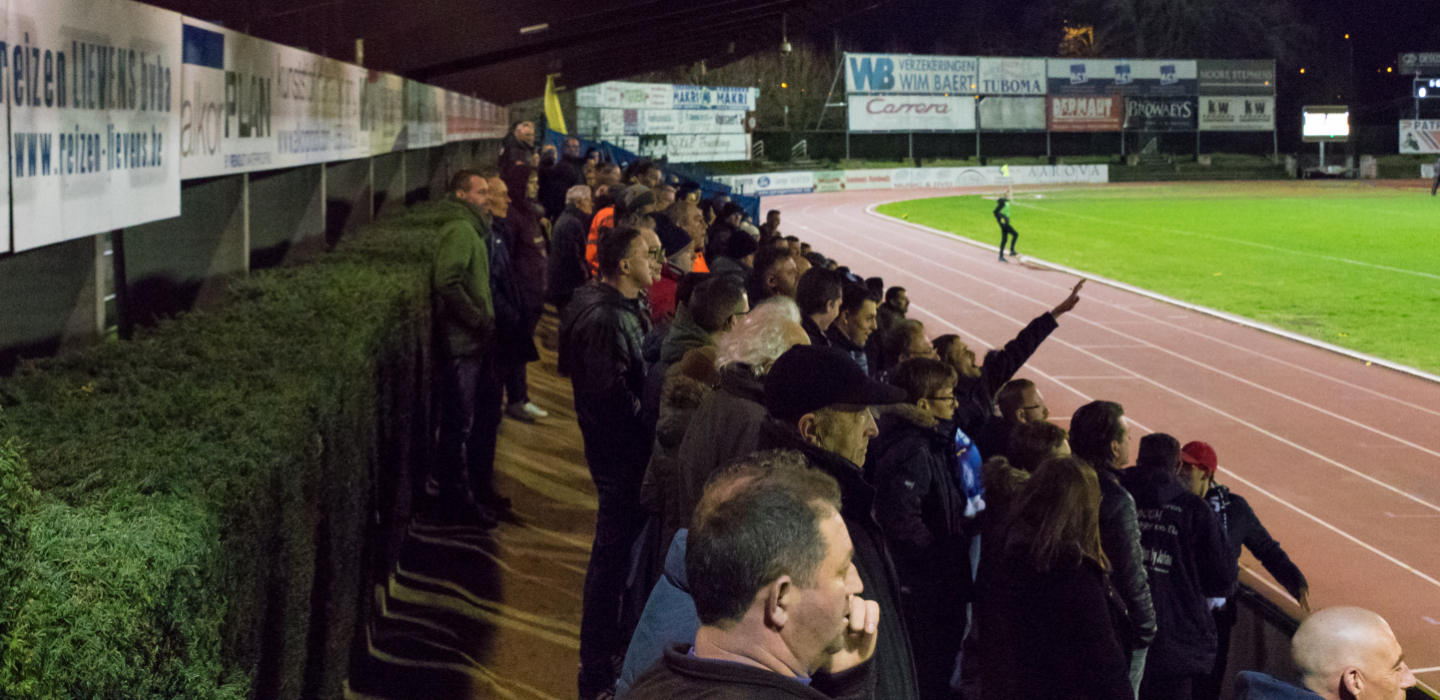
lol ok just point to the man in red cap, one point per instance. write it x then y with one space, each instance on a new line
1241 527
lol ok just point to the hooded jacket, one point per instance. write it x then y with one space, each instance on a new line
600 350
1243 528
895 677
460 282
524 237
1187 562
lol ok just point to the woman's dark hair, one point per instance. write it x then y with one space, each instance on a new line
1056 520
1033 443
1092 430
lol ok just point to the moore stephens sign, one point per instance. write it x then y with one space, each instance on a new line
911 113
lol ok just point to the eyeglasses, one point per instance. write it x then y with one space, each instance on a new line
950 399
1032 408
657 254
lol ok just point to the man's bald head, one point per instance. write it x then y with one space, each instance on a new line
1351 652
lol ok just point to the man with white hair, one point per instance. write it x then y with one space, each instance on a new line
1342 653
727 424
568 269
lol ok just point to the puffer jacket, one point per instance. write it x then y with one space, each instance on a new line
600 350
460 282
1120 539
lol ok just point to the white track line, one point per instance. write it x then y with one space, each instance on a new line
1346 535
1160 385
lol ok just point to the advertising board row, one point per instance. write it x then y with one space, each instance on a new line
596 123
661 96
1420 135
696 148
772 184
902 113
904 74
113 103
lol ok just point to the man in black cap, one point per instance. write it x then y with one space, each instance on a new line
733 254
819 400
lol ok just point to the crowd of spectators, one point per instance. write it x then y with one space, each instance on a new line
802 494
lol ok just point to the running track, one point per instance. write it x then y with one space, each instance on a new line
1338 459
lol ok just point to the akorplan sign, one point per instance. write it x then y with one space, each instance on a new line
1220 113
94 96
911 113
911 75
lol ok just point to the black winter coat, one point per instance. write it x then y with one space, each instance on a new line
975 396
514 340
1187 562
895 677
1242 527
679 676
567 267
1120 538
812 329
1050 634
600 350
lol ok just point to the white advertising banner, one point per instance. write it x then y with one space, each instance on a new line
712 122
94 106
701 148
1255 113
911 113
5 94
659 122
1420 136
249 104
622 95
382 112
424 115
1012 113
708 97
468 118
869 179
912 75
1012 76
994 176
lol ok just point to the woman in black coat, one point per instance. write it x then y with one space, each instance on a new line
1050 621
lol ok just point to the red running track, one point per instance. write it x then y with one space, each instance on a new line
1340 460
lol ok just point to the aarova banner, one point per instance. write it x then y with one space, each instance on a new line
249 104
1099 77
911 75
1235 113
94 96
1244 78
1160 114
1012 76
1420 135
1012 113
911 113
1086 113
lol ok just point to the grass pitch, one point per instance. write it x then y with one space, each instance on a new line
1353 265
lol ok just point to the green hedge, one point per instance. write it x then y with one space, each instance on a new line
185 515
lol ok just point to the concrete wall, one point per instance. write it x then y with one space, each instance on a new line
49 301
287 216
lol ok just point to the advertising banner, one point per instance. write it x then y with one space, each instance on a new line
1420 135
1012 113
869 179
911 113
1103 77
911 75
249 104
424 115
659 122
622 95
1085 113
772 184
94 101
382 112
701 148
1237 113
469 118
1012 76
830 181
711 122
993 176
707 97
1419 63
1236 77
1160 113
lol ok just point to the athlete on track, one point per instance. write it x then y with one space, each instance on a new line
1002 215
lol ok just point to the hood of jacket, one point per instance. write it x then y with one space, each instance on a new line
451 208
738 379
685 335
1152 484
900 422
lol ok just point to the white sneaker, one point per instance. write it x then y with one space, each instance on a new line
535 411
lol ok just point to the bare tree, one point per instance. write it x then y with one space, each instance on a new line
1195 28
799 80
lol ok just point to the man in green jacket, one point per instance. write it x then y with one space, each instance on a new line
465 315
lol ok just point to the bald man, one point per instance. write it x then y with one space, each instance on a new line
1342 653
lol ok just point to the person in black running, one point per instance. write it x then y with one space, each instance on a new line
1007 232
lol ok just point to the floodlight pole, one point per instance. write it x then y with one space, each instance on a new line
977 128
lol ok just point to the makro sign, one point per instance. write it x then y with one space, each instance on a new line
1219 113
911 75
1102 77
1085 113
94 100
1420 135
1012 76
1160 114
705 97
911 113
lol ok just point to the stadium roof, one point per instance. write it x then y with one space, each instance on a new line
502 50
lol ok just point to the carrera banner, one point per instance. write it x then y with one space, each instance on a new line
1085 77
911 75
1420 135
1236 77
1012 76
1012 113
911 113
94 104
1237 113
1160 114
1085 113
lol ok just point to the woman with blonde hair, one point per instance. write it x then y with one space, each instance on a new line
1049 620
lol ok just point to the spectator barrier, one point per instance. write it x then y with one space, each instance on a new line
802 182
